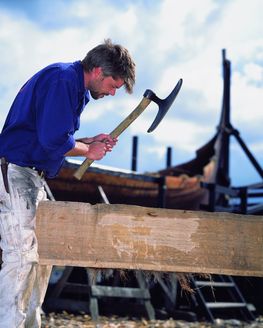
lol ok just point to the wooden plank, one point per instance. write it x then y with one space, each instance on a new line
143 238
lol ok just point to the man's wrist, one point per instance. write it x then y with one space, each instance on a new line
86 141
87 149
82 141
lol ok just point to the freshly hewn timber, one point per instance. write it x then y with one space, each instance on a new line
134 237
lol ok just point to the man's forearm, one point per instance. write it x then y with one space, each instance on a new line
80 149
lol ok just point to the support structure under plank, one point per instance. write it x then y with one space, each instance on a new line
142 238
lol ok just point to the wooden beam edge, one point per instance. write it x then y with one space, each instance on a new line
150 267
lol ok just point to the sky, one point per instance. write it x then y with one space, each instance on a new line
168 40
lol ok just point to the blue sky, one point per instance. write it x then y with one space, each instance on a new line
168 40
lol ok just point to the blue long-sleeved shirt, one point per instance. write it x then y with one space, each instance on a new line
39 128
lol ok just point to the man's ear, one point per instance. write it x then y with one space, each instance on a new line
97 71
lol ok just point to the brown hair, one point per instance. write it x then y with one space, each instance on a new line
114 60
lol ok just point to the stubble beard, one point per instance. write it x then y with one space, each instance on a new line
95 94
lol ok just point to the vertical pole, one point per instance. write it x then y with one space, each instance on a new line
243 200
162 192
212 197
169 157
134 153
222 176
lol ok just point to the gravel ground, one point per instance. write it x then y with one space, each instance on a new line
64 320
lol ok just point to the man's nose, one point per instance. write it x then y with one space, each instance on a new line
112 92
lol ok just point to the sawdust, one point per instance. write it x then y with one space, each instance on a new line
183 278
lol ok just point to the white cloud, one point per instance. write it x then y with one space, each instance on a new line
247 100
253 73
181 134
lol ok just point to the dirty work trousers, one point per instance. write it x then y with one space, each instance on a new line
23 281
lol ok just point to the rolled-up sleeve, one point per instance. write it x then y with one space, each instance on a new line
55 117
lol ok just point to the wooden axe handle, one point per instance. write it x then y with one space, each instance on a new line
115 133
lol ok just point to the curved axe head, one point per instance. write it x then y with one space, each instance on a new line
164 104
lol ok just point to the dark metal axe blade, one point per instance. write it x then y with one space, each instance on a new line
164 104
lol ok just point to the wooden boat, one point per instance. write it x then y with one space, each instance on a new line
123 187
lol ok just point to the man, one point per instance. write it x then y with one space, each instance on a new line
36 137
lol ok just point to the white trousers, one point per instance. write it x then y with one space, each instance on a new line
23 282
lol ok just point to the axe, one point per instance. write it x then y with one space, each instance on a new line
149 95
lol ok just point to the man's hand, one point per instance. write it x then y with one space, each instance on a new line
101 144
107 139
93 148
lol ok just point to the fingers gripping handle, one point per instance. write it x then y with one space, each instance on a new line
115 133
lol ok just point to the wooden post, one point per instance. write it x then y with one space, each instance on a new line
142 238
134 153
169 157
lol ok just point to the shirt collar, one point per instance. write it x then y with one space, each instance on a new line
81 86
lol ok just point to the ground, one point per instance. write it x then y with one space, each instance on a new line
65 320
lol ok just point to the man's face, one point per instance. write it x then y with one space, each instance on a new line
101 86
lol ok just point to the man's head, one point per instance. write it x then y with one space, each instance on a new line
109 66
